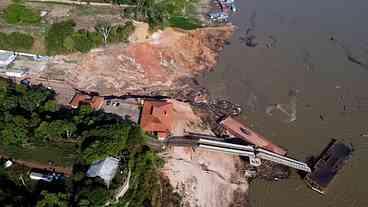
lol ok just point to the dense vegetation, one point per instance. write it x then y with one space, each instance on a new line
61 37
163 13
17 13
30 119
16 41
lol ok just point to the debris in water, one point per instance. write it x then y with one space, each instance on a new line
321 117
331 161
288 109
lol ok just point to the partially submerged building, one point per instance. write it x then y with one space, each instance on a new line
331 160
6 58
96 102
157 118
239 130
105 169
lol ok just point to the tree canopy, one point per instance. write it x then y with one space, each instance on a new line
30 119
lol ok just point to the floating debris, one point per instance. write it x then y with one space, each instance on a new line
288 109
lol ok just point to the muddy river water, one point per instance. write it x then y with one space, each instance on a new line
300 70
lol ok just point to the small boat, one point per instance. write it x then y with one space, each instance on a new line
328 165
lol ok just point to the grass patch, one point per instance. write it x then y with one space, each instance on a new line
16 41
186 23
63 154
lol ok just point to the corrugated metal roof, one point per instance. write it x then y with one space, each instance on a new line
105 169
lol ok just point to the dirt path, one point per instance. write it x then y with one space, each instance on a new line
66 171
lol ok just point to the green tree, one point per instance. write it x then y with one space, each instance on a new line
33 99
53 200
92 195
51 106
12 134
103 142
55 130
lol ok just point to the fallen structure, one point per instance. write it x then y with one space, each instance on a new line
330 162
95 102
237 129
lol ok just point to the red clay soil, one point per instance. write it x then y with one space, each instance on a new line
149 58
157 64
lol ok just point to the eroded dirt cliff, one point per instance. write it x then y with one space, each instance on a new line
160 63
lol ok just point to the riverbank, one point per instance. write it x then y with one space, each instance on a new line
164 63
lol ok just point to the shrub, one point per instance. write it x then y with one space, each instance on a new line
20 40
56 35
82 42
4 42
121 33
18 13
61 38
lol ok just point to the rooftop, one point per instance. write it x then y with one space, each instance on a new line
105 169
96 102
157 117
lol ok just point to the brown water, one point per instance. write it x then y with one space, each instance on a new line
303 47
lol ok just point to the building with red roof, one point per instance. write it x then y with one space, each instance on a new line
157 118
96 102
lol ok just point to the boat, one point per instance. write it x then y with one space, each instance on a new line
327 165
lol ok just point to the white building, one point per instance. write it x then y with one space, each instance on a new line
6 58
105 169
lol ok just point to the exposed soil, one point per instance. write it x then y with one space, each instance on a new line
157 65
204 178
